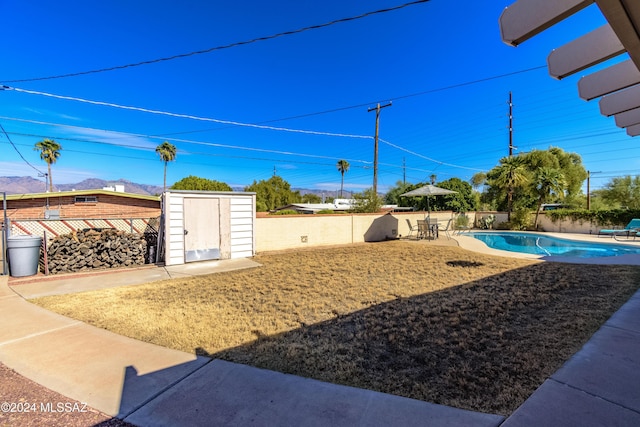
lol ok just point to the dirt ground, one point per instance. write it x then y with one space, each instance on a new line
439 324
28 404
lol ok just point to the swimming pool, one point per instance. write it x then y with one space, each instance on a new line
537 244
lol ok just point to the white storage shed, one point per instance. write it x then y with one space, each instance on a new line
208 225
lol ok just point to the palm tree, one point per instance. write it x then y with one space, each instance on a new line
478 179
548 181
343 166
49 152
167 153
510 174
433 178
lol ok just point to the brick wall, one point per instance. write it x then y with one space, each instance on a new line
107 206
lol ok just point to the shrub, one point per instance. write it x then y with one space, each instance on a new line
325 211
601 217
520 219
286 212
462 221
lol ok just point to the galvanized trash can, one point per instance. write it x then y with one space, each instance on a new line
23 254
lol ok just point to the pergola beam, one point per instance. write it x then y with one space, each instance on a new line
628 118
633 130
624 18
526 18
584 52
621 101
617 77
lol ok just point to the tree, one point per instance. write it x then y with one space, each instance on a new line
548 182
478 179
167 153
367 202
393 195
311 198
464 200
200 184
525 195
508 176
569 164
433 178
49 152
622 191
273 193
343 166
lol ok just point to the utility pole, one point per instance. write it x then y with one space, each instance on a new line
404 172
375 145
511 147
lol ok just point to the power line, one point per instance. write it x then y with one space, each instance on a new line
186 116
19 153
428 158
366 164
187 141
212 49
411 95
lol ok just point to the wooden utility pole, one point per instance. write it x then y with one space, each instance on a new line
375 145
404 172
511 147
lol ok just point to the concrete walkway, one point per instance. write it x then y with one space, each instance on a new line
151 385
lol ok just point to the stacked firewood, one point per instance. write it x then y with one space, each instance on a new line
95 249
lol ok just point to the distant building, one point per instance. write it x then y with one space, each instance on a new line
338 205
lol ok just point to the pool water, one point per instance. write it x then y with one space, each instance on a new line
551 246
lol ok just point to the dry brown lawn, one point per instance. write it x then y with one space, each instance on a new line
439 324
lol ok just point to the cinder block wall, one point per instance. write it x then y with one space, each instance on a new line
278 232
567 225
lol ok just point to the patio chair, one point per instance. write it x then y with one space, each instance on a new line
632 228
423 229
446 229
432 224
412 229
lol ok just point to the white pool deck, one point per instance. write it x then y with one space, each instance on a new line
468 242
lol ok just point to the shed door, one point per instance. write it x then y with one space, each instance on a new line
201 229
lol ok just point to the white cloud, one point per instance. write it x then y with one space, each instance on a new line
287 166
110 137
52 114
332 186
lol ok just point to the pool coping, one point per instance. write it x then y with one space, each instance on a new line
470 243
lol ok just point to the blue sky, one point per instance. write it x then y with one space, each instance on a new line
441 63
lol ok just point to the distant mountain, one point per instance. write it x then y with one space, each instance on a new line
129 187
21 184
26 184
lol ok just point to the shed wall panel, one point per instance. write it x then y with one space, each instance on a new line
238 218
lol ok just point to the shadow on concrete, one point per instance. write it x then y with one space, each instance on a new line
454 347
482 346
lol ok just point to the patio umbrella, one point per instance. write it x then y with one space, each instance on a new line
428 190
